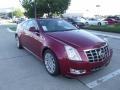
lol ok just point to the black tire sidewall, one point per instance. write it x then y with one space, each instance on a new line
20 45
99 23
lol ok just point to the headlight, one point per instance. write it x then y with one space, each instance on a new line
72 53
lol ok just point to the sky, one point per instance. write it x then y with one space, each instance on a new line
107 7
9 3
89 6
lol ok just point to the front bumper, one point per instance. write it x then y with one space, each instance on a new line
75 69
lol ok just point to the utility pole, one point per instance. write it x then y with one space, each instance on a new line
98 7
13 9
35 12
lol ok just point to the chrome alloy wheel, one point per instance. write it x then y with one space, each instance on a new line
50 63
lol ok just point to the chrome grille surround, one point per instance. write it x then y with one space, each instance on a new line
97 54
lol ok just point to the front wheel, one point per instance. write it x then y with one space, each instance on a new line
51 63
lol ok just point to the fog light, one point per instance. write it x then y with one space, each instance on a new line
74 71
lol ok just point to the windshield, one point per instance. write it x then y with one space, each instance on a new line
54 25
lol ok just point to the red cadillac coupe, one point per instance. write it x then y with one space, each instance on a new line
62 47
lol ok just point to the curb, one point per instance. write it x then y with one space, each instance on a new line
107 35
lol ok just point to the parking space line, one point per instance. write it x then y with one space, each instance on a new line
103 79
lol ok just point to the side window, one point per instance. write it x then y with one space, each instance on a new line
32 24
24 25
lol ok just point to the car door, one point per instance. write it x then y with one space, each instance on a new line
94 21
90 21
24 34
36 39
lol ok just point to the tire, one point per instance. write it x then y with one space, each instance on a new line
87 23
77 26
51 63
19 45
99 23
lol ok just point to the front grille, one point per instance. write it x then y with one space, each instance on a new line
98 54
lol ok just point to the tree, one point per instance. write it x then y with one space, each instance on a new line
18 13
44 6
10 14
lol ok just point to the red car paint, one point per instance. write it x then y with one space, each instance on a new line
111 21
55 41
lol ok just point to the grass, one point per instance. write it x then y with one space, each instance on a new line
106 28
13 28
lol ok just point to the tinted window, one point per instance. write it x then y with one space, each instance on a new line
31 23
24 25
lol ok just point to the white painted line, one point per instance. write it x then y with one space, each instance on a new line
9 30
107 35
103 79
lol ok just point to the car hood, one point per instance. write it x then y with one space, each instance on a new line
78 38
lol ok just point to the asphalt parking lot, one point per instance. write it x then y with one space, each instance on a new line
19 70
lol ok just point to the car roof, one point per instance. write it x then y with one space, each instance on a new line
44 19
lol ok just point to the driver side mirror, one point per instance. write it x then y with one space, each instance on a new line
32 29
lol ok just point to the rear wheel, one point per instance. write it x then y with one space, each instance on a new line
19 45
99 24
51 63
